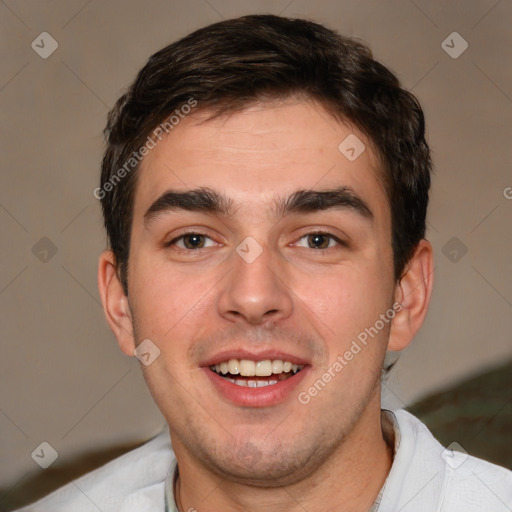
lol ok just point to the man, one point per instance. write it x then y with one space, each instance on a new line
264 190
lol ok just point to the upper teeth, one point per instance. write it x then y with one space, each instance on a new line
248 368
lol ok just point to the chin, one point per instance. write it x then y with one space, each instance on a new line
273 466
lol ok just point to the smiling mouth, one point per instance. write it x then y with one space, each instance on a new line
256 374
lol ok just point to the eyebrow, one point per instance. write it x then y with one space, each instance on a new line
308 201
302 201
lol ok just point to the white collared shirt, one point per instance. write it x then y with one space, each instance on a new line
424 477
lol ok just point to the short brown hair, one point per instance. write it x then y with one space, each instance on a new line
231 64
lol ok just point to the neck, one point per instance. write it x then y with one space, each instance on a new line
352 477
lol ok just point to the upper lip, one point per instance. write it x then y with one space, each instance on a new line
270 354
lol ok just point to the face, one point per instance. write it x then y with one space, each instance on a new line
252 276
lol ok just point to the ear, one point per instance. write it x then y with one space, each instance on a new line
413 293
115 302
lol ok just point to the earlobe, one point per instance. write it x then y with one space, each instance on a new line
413 293
115 302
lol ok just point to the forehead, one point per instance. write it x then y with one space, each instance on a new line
262 153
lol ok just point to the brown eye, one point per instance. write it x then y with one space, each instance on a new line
193 241
319 241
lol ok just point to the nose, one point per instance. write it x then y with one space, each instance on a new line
255 290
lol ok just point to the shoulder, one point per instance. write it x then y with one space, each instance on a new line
134 481
475 484
426 473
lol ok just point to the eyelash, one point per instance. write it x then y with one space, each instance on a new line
326 234
188 233
311 233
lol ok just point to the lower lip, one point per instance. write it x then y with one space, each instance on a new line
266 396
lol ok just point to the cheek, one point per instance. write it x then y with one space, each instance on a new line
344 301
171 307
160 299
344 309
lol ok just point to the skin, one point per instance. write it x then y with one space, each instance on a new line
296 298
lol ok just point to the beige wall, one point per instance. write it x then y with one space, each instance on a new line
63 379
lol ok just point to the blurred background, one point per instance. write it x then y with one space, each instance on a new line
64 63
